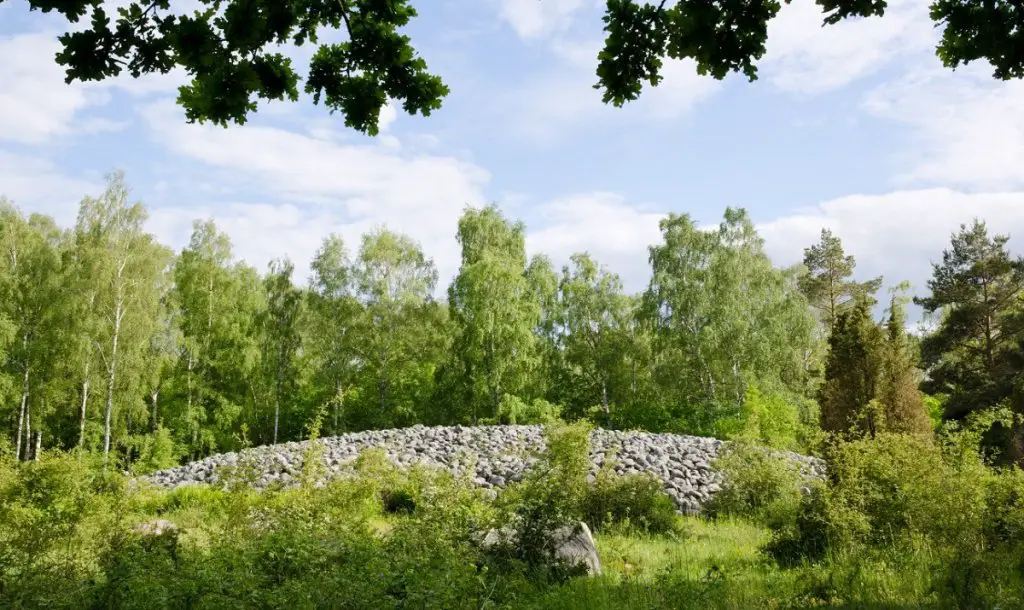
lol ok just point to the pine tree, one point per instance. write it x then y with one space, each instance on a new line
827 284
978 289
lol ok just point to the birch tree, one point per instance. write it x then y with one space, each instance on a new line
597 316
329 323
32 270
221 304
724 317
125 263
282 339
493 308
396 346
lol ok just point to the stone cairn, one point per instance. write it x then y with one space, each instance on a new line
492 456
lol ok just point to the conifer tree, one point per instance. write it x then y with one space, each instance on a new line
827 284
851 372
978 289
901 401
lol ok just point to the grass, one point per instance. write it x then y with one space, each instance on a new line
710 565
719 565
338 546
707 564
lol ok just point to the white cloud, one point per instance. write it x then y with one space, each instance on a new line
804 57
897 234
968 128
606 225
36 102
564 98
537 18
39 106
34 184
388 114
260 232
562 95
345 186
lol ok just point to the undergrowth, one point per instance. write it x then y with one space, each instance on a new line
945 533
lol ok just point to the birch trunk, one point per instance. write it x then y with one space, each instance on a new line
188 407
112 374
85 386
604 399
39 445
154 395
277 412
22 417
28 431
21 430
339 401
81 413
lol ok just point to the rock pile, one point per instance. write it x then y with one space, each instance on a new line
492 456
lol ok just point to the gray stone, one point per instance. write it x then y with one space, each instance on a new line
156 527
575 545
493 456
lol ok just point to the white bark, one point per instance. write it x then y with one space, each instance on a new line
81 414
28 430
111 376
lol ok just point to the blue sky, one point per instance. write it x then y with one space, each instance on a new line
856 127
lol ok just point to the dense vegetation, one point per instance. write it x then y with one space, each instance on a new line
119 354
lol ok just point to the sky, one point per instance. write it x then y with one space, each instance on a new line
854 127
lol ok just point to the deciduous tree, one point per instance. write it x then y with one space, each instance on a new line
397 343
597 319
723 317
230 48
493 308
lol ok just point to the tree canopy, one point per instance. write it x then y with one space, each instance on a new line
230 48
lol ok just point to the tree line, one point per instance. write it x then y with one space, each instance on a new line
111 342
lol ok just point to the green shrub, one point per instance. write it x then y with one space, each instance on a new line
550 496
935 405
146 453
398 501
513 410
629 502
920 506
56 517
758 485
771 419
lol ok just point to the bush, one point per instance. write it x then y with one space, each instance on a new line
771 419
909 501
758 485
629 502
550 496
56 517
146 453
515 411
398 501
